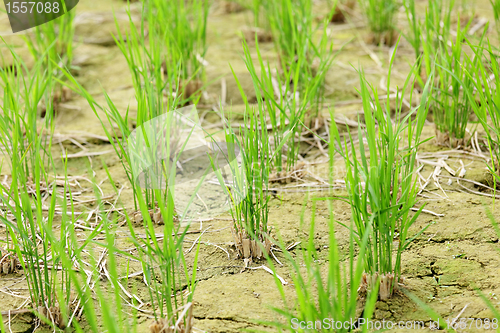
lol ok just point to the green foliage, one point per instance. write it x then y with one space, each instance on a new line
249 190
435 32
20 127
182 27
286 105
333 295
414 37
53 41
27 141
484 97
380 184
495 5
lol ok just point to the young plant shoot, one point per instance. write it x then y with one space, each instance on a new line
381 184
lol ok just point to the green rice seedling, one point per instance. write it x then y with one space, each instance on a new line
145 55
380 184
325 302
162 259
30 228
290 108
339 8
144 51
20 127
249 192
493 323
435 33
304 50
170 285
495 5
50 290
88 288
156 139
291 23
287 18
165 260
414 36
484 98
280 109
450 105
26 144
381 16
438 22
53 41
155 93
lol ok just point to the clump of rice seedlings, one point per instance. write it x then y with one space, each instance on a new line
380 184
427 37
233 6
161 257
327 288
166 272
166 63
53 41
304 52
182 27
260 30
155 93
450 105
87 281
437 24
279 105
484 98
249 189
29 228
291 23
381 16
340 9
495 5
19 122
170 286
435 34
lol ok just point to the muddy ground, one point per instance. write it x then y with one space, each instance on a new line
455 256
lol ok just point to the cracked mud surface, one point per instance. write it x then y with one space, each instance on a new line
444 267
